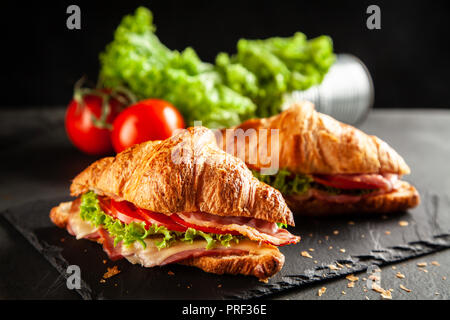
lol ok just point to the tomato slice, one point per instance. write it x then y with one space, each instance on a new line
126 212
342 183
161 219
177 219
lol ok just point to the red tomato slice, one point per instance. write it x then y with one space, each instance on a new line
177 219
341 182
161 219
126 212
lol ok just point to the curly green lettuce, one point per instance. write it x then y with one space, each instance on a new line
265 70
138 60
286 182
91 211
250 83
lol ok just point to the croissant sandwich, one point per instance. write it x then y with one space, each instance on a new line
181 200
325 167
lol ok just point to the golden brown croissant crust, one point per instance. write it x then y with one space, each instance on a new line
262 266
185 173
397 201
314 143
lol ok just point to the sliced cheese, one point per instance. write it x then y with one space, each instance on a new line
152 256
80 227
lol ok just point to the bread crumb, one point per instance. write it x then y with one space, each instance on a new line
306 254
311 249
394 267
387 232
321 291
374 277
422 264
342 250
444 278
403 223
315 261
351 222
330 247
385 294
111 272
336 232
424 270
104 261
170 273
435 263
333 267
343 292
352 278
404 288
350 284
102 280
339 265
219 285
400 275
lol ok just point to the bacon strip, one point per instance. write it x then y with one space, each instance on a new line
255 229
385 183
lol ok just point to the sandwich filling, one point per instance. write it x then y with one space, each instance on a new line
339 188
151 238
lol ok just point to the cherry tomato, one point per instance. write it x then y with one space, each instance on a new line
151 119
81 126
178 220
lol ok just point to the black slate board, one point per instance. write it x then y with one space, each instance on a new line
366 241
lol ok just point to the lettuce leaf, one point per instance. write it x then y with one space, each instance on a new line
91 211
235 88
286 182
137 59
265 70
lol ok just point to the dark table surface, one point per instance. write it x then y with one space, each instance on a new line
37 162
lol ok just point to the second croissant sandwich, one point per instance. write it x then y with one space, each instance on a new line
326 167
181 200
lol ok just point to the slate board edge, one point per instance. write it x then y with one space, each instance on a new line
85 292
419 248
422 248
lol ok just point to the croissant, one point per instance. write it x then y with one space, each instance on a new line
342 169
190 188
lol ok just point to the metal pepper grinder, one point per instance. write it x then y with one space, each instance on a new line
346 92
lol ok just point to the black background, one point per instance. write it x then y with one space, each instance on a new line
408 57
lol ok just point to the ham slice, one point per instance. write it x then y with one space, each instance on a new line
114 252
385 182
380 183
255 229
